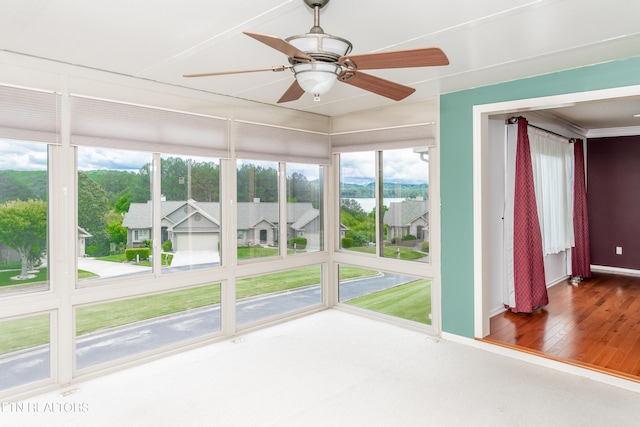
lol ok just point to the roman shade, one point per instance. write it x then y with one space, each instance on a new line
29 115
108 124
265 142
421 135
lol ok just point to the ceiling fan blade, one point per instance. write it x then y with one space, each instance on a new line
421 57
374 84
223 73
292 94
281 45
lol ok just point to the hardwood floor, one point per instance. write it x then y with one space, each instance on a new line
595 324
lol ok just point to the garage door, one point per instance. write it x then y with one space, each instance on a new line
196 242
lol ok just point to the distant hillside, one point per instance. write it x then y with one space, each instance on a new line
23 185
394 190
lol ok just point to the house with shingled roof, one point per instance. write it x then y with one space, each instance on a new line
192 225
408 217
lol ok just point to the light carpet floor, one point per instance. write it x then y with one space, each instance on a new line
336 369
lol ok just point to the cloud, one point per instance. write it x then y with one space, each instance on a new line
103 159
311 172
20 155
399 166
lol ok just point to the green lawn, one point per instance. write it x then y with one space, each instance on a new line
256 252
411 301
276 282
5 277
41 277
117 313
27 332
33 331
244 252
392 252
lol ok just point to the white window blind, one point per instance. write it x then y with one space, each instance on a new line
265 142
108 124
422 135
29 115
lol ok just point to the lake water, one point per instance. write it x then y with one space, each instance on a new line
370 203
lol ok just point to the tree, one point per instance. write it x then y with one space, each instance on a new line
92 208
352 207
205 184
255 181
23 226
11 188
174 178
117 233
298 187
122 204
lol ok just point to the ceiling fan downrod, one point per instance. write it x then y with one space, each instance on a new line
316 5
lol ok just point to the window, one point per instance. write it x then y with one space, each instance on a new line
404 223
113 330
261 297
305 220
114 213
190 210
358 201
24 350
552 162
400 189
24 217
396 295
258 209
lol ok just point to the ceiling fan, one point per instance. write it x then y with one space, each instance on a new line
318 60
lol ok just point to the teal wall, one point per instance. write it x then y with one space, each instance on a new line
456 141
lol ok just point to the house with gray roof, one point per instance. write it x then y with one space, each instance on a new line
407 217
192 225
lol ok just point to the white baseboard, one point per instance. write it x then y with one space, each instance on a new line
617 270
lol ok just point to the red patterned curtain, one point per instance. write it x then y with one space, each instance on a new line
581 253
528 260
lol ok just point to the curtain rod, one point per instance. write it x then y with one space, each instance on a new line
514 120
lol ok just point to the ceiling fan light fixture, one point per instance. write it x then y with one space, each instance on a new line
316 78
321 46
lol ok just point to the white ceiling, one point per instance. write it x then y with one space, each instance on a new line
487 42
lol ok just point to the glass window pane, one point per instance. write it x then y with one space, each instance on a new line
23 217
262 297
190 207
305 221
357 202
24 350
114 213
405 223
258 209
392 294
113 330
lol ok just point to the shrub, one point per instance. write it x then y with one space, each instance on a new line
347 242
167 246
409 237
131 253
424 247
300 242
359 238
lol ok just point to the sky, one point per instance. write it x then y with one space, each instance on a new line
18 155
400 166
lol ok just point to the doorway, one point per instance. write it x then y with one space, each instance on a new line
486 261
